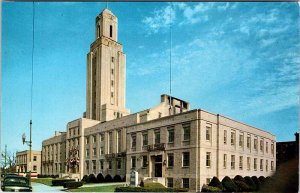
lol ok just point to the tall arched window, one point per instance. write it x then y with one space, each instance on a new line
98 31
110 31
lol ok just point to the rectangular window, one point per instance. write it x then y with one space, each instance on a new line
170 182
34 158
208 133
110 31
112 71
112 83
157 136
261 164
232 161
185 183
101 150
267 147
112 94
208 158
186 159
255 144
272 165
110 143
34 168
255 164
225 136
133 162
267 165
87 165
94 139
248 141
87 153
261 145
94 164
87 140
241 140
119 141
119 162
112 59
101 164
170 159
241 163
272 148
109 165
94 152
145 139
186 132
232 138
133 141
225 161
145 161
248 163
171 135
102 137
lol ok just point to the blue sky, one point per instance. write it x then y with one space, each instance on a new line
240 60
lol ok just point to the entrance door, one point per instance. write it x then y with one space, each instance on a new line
158 170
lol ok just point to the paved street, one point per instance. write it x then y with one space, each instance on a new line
37 187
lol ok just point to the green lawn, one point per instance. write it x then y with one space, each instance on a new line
94 189
46 181
153 185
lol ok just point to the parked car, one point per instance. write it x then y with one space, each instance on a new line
16 184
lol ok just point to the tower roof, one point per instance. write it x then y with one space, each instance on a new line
106 11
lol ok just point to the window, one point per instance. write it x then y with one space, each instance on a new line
186 132
261 145
98 31
232 161
208 133
133 141
255 144
267 147
94 152
171 135
112 59
101 164
241 140
145 161
248 163
112 71
109 165
110 31
34 168
87 140
272 165
112 94
255 164
232 138
248 141
267 165
87 165
119 163
119 141
170 182
261 165
208 180
225 161
241 163
94 164
208 158
157 136
145 139
170 159
110 144
34 158
185 159
185 183
112 83
133 162
94 139
272 148
87 153
225 136
101 150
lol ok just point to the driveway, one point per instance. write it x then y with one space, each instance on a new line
38 187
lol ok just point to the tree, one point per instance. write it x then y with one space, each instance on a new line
8 162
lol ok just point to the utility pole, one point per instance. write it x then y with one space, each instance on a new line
5 155
30 152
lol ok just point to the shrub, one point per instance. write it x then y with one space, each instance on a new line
140 189
108 178
100 178
142 183
242 186
238 178
72 185
91 179
60 182
215 182
84 179
229 185
52 176
206 188
124 179
262 179
117 178
250 183
257 182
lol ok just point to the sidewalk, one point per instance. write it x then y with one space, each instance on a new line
105 184
38 187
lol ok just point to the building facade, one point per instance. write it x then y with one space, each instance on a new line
23 165
168 143
287 150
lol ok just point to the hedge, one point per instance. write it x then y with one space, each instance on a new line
60 182
124 179
250 183
242 186
108 178
215 182
262 179
239 178
84 178
229 185
257 182
206 188
100 178
140 189
72 185
117 178
91 179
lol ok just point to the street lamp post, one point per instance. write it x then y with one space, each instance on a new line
29 143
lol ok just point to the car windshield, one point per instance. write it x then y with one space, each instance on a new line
16 181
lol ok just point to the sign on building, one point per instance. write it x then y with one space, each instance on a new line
134 178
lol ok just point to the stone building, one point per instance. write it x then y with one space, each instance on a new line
287 150
22 162
168 143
